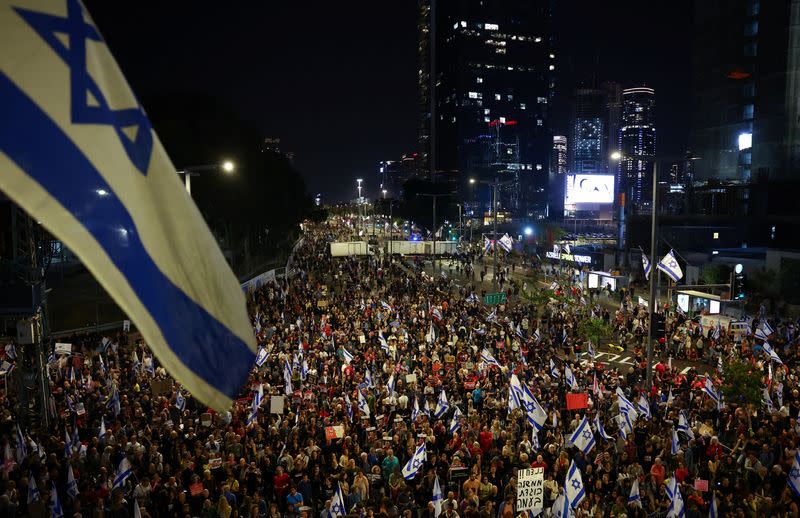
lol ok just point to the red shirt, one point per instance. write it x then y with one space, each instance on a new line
281 483
485 440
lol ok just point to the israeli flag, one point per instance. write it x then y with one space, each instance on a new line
488 358
349 406
363 407
506 243
436 313
385 305
771 353
261 357
583 438
368 379
441 405
416 462
107 189
590 350
437 499
644 407
455 421
67 445
536 335
635 499
646 266
766 327
794 474
624 424
347 356
535 446
676 443
492 316
72 485
560 508
383 342
390 385
55 502
669 265
573 384
708 388
519 332
712 511
767 400
287 379
553 370
115 403
102 433
683 425
676 507
624 403
180 401
33 491
574 486
415 411
430 336
338 504
472 298
487 244
598 425
123 473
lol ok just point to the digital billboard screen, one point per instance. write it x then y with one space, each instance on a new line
589 188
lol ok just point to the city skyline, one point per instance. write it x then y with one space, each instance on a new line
346 105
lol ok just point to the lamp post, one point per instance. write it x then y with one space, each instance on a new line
226 166
494 185
358 202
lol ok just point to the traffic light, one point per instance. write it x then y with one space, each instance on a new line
737 282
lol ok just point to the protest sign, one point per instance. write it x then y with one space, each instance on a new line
530 490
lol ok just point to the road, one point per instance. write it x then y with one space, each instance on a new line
618 360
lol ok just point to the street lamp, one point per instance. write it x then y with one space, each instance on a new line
384 193
227 166
494 185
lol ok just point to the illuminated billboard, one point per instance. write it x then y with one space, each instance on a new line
589 188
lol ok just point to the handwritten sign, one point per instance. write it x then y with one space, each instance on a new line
530 490
334 432
700 484
196 489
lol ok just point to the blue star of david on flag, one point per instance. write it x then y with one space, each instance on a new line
413 465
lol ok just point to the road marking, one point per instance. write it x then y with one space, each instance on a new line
628 360
686 370
613 357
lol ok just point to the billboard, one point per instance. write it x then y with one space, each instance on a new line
589 188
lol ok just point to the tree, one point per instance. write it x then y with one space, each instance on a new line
716 273
741 383
594 329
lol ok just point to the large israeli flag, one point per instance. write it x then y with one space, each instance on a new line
414 464
669 265
77 152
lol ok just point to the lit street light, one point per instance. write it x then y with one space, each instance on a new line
227 166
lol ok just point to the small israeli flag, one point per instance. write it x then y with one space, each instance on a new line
794 474
583 438
383 342
488 358
180 401
646 266
676 507
712 512
438 498
441 405
55 502
570 378
368 379
455 421
338 503
771 353
536 335
574 486
33 491
415 463
644 407
347 356
590 350
349 407
635 499
708 388
669 265
676 443
553 370
261 357
683 425
624 403
123 473
72 485
415 411
102 433
363 407
390 385
598 425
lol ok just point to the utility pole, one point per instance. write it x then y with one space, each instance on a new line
653 276
495 184
433 197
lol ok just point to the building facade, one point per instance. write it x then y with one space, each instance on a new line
558 162
588 151
492 63
637 145
745 78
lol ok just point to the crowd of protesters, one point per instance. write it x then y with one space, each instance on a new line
354 348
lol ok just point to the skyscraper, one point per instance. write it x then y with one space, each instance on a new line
493 64
558 162
745 79
637 143
589 148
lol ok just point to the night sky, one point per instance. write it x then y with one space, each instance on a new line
337 81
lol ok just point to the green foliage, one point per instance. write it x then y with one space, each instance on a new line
763 282
716 273
594 329
790 280
741 383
